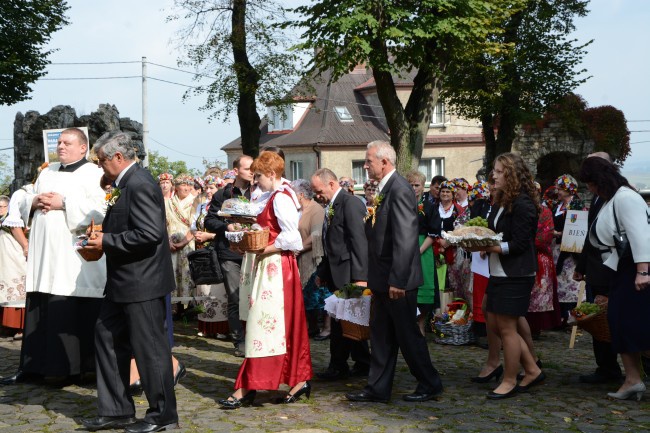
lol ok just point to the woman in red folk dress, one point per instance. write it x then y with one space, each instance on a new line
277 343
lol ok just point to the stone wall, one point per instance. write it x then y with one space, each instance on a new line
551 152
28 134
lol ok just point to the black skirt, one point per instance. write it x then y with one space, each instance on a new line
509 295
59 335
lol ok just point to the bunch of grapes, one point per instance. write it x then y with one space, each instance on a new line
478 222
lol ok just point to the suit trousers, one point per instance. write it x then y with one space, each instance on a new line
232 274
341 348
393 328
135 328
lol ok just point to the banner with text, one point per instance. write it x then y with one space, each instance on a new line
575 231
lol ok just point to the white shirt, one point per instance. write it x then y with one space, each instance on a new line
121 175
384 180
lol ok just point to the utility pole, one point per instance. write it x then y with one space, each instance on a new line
145 121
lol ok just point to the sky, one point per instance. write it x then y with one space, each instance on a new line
126 31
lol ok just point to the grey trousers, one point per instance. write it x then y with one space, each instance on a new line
232 274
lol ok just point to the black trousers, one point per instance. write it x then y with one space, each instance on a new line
134 328
341 348
393 328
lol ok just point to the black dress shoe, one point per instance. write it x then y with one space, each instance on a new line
539 379
145 427
520 376
108 422
180 373
421 396
233 402
496 374
365 396
135 389
494 396
292 398
597 378
332 374
18 377
359 371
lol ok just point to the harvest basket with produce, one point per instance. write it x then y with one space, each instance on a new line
593 319
351 306
474 233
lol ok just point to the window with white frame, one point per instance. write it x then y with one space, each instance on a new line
343 114
438 115
432 167
295 168
280 118
358 172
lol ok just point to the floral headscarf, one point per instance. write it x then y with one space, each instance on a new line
567 183
184 179
165 176
448 184
212 180
370 186
230 174
198 181
479 190
549 199
461 183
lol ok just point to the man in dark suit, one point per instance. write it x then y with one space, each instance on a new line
132 317
598 278
345 261
394 274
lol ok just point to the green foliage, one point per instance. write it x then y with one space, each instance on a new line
418 39
25 29
505 88
161 164
6 172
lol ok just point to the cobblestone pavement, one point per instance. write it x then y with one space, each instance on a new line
561 404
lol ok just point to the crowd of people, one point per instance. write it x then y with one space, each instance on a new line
113 315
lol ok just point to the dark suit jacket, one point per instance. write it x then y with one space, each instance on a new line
519 228
590 262
218 225
346 246
138 260
393 247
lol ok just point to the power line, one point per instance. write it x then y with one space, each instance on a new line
183 153
89 78
639 142
184 71
631 121
171 82
642 130
95 63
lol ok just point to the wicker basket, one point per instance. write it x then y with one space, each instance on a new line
354 331
456 335
596 324
253 240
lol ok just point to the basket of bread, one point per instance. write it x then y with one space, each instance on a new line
251 238
474 233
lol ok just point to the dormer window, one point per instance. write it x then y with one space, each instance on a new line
343 114
280 118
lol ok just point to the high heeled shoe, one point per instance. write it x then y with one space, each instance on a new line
292 398
635 390
496 374
236 403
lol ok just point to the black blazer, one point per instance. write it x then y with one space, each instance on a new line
393 247
519 228
346 246
218 225
590 262
138 259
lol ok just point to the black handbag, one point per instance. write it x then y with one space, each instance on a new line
621 242
204 266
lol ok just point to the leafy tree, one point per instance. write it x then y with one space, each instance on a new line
506 88
238 45
25 29
5 174
419 38
161 164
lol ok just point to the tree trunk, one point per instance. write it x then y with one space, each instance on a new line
487 123
247 82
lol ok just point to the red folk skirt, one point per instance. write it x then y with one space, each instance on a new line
294 366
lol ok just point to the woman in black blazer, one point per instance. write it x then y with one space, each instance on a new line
513 265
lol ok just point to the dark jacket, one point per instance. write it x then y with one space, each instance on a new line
393 247
218 225
346 247
519 227
429 221
138 259
589 261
